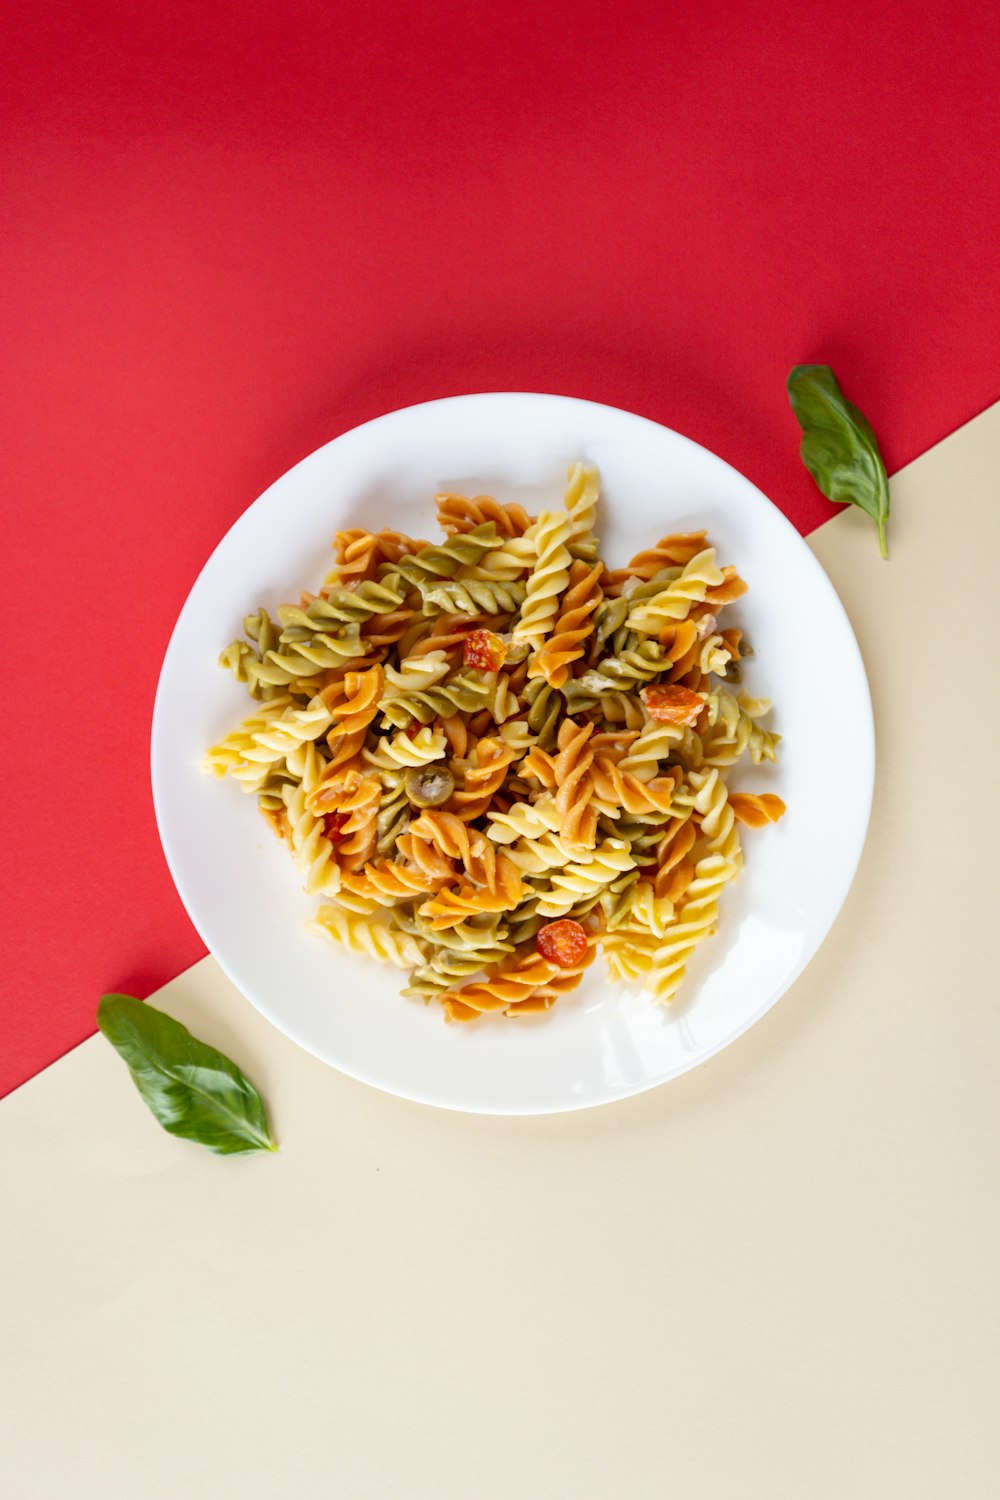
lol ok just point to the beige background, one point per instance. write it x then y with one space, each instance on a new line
776 1276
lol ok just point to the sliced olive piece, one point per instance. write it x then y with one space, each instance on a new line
428 786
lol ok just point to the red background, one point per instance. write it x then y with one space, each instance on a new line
235 230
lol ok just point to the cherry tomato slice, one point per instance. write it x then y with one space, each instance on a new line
563 943
671 703
333 826
484 650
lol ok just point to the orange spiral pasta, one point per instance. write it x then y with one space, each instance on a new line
568 773
483 778
756 810
530 983
359 807
452 906
441 844
732 587
485 799
674 870
461 741
353 714
624 790
358 556
385 630
574 623
387 882
674 551
456 513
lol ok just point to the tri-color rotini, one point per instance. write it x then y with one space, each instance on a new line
491 755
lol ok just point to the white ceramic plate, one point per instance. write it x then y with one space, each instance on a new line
604 1043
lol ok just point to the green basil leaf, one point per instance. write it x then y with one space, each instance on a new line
193 1090
838 446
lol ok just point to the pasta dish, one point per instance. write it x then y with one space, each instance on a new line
492 755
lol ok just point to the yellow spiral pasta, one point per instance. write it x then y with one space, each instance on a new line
733 731
655 745
369 935
524 820
404 749
695 921
580 500
491 755
306 834
629 952
548 578
230 752
674 600
583 879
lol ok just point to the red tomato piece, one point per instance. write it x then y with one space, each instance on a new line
484 650
333 826
671 703
563 943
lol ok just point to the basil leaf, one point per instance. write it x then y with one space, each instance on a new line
193 1090
838 446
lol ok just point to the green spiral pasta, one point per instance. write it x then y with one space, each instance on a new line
610 617
473 596
393 816
546 707
618 898
465 693
262 638
339 606
622 673
616 705
642 832
445 559
302 660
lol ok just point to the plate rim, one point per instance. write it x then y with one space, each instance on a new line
572 1105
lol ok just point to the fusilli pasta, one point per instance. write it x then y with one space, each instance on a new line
492 755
